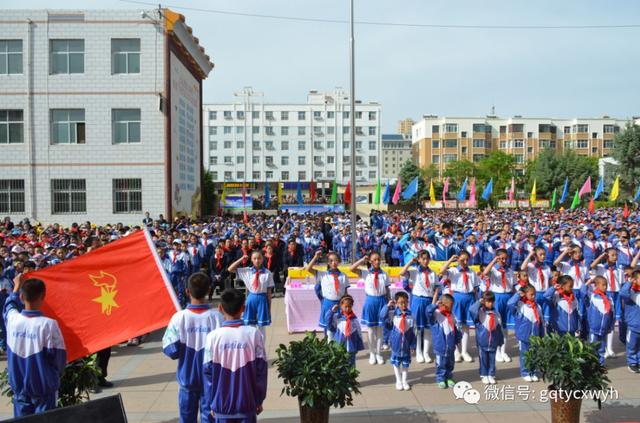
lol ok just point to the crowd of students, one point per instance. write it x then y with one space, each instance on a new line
539 271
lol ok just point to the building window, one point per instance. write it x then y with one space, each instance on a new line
519 158
268 115
543 143
284 145
213 145
331 174
284 160
330 160
317 160
256 145
317 145
256 175
228 160
227 144
568 144
317 174
240 175
302 145
345 144
435 129
214 175
582 128
529 149
372 130
450 158
11 196
11 127
518 143
239 159
302 175
503 129
256 159
358 115
607 144
478 143
317 115
372 174
345 115
67 56
127 196
240 115
451 143
346 173
373 161
302 130
331 130
372 115
372 145
516 127
478 157
345 130
284 115
255 114
67 126
503 144
213 160
213 130
331 115
268 174
435 158
239 129
269 145
269 160
125 55
68 196
594 149
226 130
463 134
331 144
583 143
255 130
607 129
228 175
594 135
284 130
301 115
302 160
552 144
317 131
567 130
227 114
435 144
269 130
240 144
478 127
450 127
125 125
285 175
463 150
529 134
10 57
358 145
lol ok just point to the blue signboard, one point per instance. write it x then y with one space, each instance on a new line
234 202
312 208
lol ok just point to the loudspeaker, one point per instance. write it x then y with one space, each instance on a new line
103 410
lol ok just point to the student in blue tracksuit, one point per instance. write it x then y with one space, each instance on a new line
397 317
179 271
580 273
184 341
444 336
630 294
331 285
343 323
563 306
600 316
614 275
6 287
500 281
423 285
36 355
235 365
529 321
540 276
489 336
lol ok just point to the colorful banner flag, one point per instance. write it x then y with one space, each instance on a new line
97 298
279 193
472 192
432 194
615 190
462 194
376 196
334 193
512 190
396 193
488 190
599 189
576 200
565 191
445 190
586 187
553 199
267 196
347 193
636 197
312 191
532 197
410 190
299 197
386 198
592 206
625 212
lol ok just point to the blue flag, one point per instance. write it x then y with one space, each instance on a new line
299 193
599 189
386 198
267 196
565 190
637 196
488 190
462 194
411 189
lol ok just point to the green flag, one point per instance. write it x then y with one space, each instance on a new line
376 197
553 199
576 201
334 193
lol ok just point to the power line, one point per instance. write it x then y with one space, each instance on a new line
390 24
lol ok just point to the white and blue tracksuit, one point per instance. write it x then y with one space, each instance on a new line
326 291
337 323
184 341
488 338
615 278
500 281
36 357
540 277
376 295
179 274
256 310
631 298
526 325
564 311
600 322
422 283
444 336
464 283
401 339
235 372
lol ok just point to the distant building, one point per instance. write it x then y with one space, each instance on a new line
440 140
99 115
396 150
254 141
404 127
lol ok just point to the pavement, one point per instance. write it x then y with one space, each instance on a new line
146 380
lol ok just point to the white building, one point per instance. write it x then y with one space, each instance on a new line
396 150
99 115
254 141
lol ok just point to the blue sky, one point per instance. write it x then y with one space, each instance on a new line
416 71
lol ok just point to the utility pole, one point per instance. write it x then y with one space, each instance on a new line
352 131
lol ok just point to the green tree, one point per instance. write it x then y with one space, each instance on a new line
626 150
550 169
409 171
457 172
430 172
501 167
208 188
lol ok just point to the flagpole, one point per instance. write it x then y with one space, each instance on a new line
352 132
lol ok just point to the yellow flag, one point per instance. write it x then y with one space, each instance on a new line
615 190
279 193
532 199
432 194
224 194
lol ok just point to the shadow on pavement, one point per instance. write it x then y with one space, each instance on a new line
398 415
613 412
145 380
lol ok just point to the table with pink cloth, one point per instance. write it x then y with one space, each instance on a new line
302 307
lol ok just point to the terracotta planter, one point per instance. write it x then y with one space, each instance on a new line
563 411
313 415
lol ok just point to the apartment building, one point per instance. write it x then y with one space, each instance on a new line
396 150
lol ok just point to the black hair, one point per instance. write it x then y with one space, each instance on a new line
198 285
401 294
346 297
635 274
447 297
488 296
528 287
33 289
424 253
501 251
564 279
232 301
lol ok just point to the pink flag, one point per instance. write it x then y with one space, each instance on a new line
513 188
445 190
586 188
472 192
396 194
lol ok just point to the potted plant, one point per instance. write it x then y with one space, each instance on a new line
572 367
318 373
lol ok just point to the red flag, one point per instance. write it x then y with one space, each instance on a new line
592 206
111 294
347 193
312 191
625 212
245 216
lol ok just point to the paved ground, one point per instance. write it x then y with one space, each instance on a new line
146 380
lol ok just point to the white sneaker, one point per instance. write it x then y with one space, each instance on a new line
609 354
372 358
534 378
379 359
528 379
399 386
492 380
427 358
457 357
419 358
499 358
506 358
466 357
485 380
385 347
406 386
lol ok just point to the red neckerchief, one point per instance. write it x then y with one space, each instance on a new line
347 326
635 288
269 257
446 313
605 300
376 272
568 298
219 261
540 275
425 272
403 322
473 250
503 277
256 280
522 283
492 322
534 307
336 280
612 279
465 279
576 266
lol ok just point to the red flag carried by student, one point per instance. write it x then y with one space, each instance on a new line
108 295
312 191
625 212
347 193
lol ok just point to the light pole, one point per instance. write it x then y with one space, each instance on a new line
352 131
